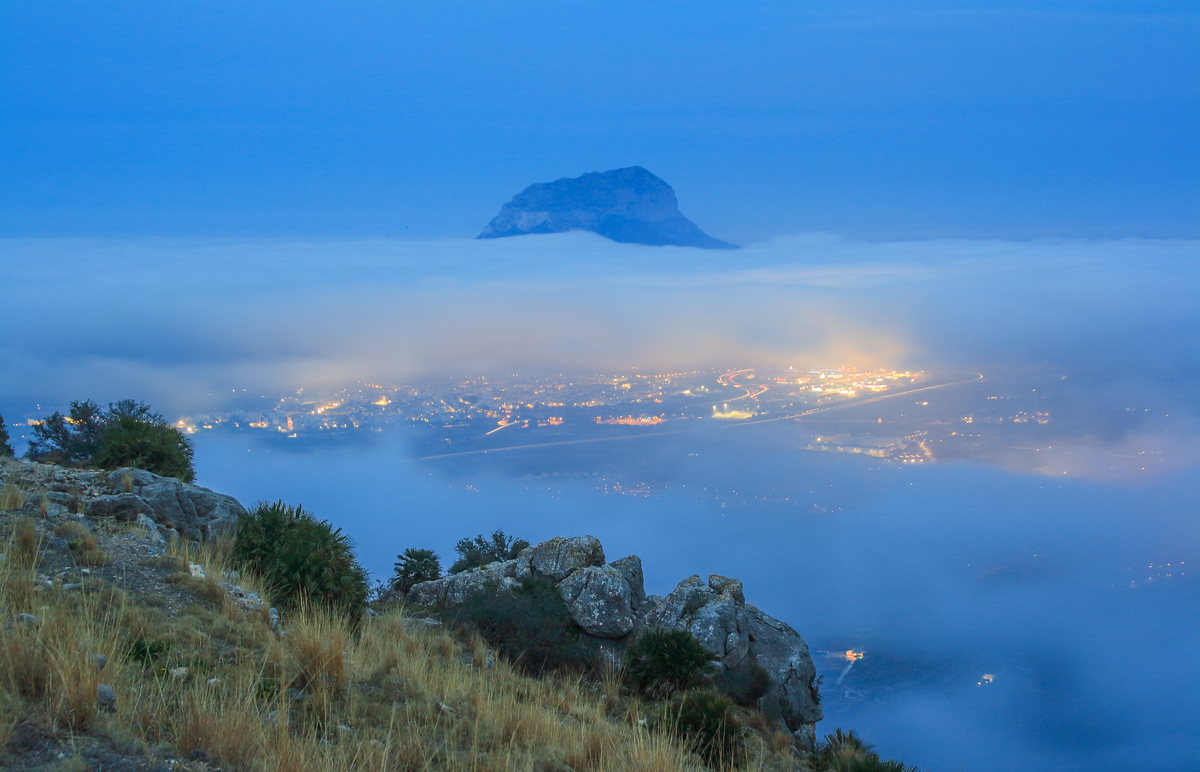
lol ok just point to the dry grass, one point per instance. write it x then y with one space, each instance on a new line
389 695
12 497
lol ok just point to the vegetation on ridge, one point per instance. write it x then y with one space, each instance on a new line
128 433
480 551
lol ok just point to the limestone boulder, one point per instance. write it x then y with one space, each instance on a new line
779 649
713 611
190 509
630 569
559 557
599 600
454 589
123 506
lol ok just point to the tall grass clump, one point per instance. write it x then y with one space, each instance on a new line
708 722
12 497
301 557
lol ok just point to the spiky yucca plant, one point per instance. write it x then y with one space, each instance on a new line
301 556
415 566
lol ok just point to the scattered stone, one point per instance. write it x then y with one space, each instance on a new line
251 601
72 586
151 529
445 708
272 718
197 571
296 695
106 698
273 614
27 619
200 755
231 576
179 673
100 660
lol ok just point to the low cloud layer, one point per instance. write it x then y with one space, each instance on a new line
184 324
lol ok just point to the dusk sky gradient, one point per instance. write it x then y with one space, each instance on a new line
871 120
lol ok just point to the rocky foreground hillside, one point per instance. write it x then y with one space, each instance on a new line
131 640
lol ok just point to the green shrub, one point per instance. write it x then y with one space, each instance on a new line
660 662
707 721
153 446
128 433
414 566
301 557
481 551
745 684
847 752
529 625
5 448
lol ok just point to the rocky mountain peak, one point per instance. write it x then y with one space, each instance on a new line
629 205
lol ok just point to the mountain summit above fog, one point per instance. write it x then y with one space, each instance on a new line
628 205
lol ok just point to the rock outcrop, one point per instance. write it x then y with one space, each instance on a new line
609 602
628 205
189 509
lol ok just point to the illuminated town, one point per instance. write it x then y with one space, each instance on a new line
839 410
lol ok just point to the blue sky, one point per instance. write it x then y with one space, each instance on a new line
913 120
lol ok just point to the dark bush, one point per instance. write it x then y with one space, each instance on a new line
660 662
745 684
153 446
481 551
128 433
71 439
414 566
5 448
529 625
301 557
707 721
846 752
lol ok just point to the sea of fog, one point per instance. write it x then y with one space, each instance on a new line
1072 592
939 574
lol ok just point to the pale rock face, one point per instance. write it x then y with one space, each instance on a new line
784 654
599 600
559 557
189 509
716 617
456 588
716 613
631 570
